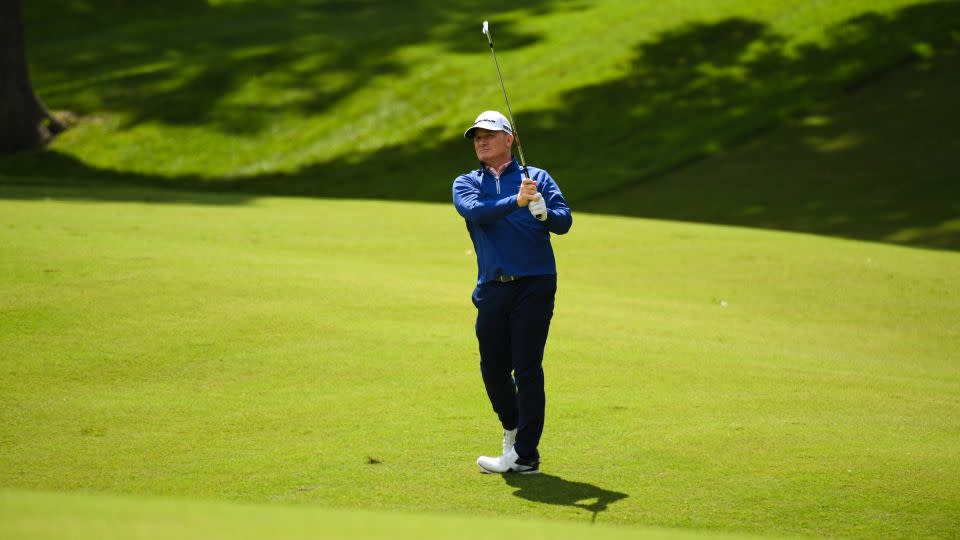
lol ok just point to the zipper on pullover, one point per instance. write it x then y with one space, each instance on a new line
496 178
497 181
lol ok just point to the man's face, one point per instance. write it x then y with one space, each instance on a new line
493 147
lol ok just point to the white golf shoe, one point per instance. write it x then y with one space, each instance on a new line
509 462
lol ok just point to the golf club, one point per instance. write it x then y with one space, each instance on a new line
516 131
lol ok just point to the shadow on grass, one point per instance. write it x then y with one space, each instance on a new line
664 141
183 62
549 489
61 176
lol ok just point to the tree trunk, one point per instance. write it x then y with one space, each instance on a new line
24 122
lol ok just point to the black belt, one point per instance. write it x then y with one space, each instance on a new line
507 279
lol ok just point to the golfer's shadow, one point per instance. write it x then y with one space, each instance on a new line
546 488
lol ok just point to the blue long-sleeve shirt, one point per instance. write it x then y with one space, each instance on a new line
507 239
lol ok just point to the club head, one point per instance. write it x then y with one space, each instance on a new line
486 31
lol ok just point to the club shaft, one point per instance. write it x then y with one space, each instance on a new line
516 131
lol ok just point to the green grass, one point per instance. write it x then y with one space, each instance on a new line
269 350
880 163
44 515
340 99
202 359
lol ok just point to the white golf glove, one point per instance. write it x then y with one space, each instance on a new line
538 208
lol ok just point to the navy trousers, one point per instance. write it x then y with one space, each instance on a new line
513 319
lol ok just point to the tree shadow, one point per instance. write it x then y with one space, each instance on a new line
669 139
56 175
234 66
549 489
729 125
696 91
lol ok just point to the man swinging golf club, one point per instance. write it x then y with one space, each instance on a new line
516 283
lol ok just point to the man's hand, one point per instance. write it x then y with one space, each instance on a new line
538 208
528 192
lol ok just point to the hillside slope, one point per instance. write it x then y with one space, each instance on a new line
881 163
368 100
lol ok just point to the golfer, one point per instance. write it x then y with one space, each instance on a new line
510 219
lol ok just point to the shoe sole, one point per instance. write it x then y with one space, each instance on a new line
487 471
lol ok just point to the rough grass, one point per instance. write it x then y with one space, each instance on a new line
342 98
321 352
879 163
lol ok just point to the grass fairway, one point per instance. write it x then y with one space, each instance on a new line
308 351
56 516
242 365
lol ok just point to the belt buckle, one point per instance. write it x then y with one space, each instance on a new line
507 279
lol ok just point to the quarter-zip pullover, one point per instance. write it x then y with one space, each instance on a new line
508 242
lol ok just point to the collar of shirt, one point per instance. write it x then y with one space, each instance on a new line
497 171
